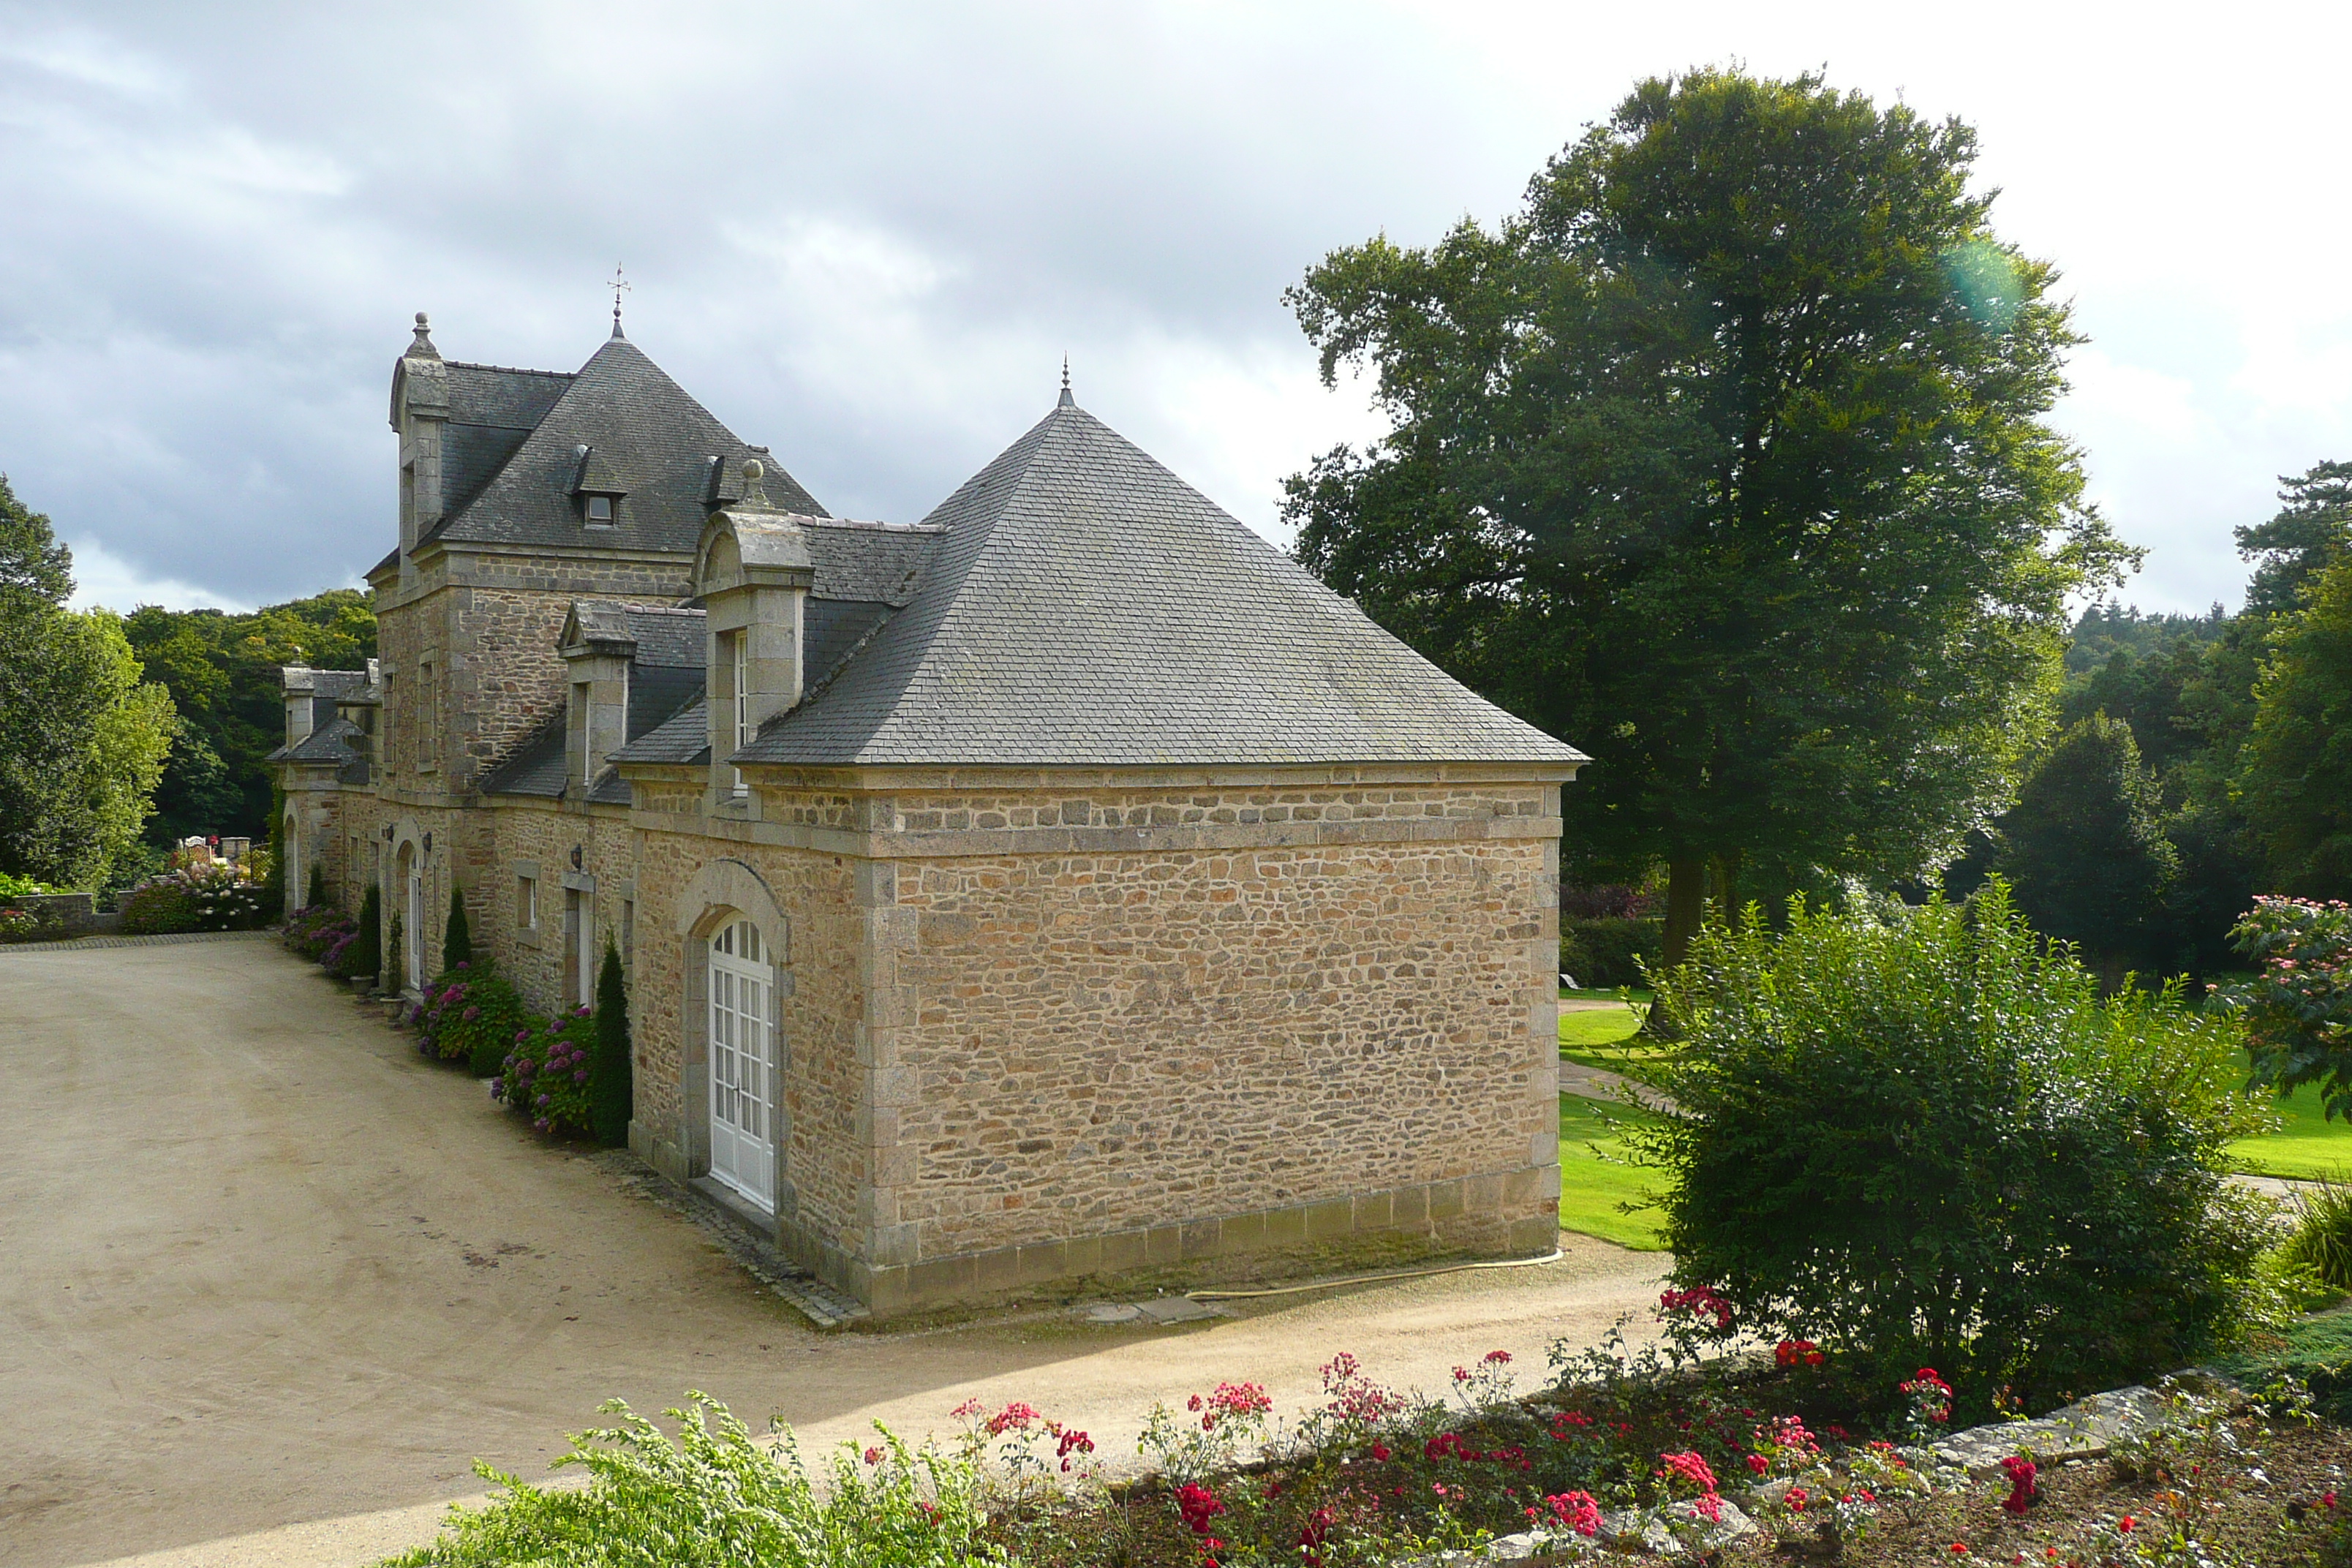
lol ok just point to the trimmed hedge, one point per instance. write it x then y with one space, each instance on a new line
1611 951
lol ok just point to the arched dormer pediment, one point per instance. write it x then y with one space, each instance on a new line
747 547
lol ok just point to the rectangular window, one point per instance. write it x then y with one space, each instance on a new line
628 933
741 642
600 511
527 902
429 716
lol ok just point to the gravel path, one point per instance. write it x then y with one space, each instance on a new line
273 1282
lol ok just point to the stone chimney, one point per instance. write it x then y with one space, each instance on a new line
753 572
420 407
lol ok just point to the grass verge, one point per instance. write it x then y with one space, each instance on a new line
1595 1175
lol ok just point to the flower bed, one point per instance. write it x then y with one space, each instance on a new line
1748 1459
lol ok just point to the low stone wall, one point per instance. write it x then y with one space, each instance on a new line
65 915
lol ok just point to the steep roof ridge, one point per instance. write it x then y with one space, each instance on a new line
966 518
509 369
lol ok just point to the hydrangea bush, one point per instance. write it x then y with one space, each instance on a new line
545 1077
311 930
195 898
472 1015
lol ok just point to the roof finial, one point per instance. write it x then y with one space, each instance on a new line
619 286
422 345
1066 401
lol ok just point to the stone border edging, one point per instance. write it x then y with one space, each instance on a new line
80 943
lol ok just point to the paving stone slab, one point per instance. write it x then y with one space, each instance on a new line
2086 1429
1178 1309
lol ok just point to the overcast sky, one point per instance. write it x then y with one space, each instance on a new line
866 235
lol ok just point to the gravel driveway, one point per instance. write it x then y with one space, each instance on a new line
271 1282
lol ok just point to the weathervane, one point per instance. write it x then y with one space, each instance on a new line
619 287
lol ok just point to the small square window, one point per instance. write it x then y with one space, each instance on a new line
600 511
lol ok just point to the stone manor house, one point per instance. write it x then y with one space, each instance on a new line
1063 884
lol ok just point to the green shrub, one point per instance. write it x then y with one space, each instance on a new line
393 975
311 932
200 898
545 1076
457 936
13 886
2321 1242
20 925
471 1014
315 895
2298 1007
1610 950
362 952
1923 1139
716 1499
609 1072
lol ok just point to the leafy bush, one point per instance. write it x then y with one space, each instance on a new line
609 1074
199 898
715 1498
20 925
1611 951
2321 1242
311 932
1922 1139
13 886
2298 1008
471 1014
545 1076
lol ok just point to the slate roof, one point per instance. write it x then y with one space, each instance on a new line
666 673
648 439
330 742
1086 606
491 409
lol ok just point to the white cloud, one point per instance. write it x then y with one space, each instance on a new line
104 578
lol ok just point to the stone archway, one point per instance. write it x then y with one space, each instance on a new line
735 959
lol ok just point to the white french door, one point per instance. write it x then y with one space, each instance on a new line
742 1064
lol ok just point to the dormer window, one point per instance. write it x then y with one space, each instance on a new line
597 488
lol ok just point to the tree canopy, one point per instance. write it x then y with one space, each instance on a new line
82 738
2296 781
2086 852
1725 459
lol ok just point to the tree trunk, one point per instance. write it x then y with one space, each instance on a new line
1726 888
1685 905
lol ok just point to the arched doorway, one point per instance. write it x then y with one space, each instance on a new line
742 1064
411 893
297 889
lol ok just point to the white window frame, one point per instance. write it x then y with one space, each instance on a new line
741 656
526 902
744 1063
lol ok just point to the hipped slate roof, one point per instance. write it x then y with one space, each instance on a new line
1087 608
649 438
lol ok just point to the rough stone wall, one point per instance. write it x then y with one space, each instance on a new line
819 1015
543 833
1102 1042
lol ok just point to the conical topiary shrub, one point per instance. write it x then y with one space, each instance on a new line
611 1091
365 954
456 937
392 977
315 896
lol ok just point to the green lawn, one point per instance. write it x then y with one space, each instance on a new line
1591 1185
1595 1177
2306 1143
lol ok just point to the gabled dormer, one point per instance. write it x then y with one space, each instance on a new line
597 489
597 647
420 410
752 571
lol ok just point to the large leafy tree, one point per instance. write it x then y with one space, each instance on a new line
82 737
221 671
2296 782
1725 459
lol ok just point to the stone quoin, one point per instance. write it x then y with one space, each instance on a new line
1064 884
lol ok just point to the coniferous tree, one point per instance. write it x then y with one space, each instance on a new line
316 893
611 1078
456 937
392 977
2085 849
365 954
2297 777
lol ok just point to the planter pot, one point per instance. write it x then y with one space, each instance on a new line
361 984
